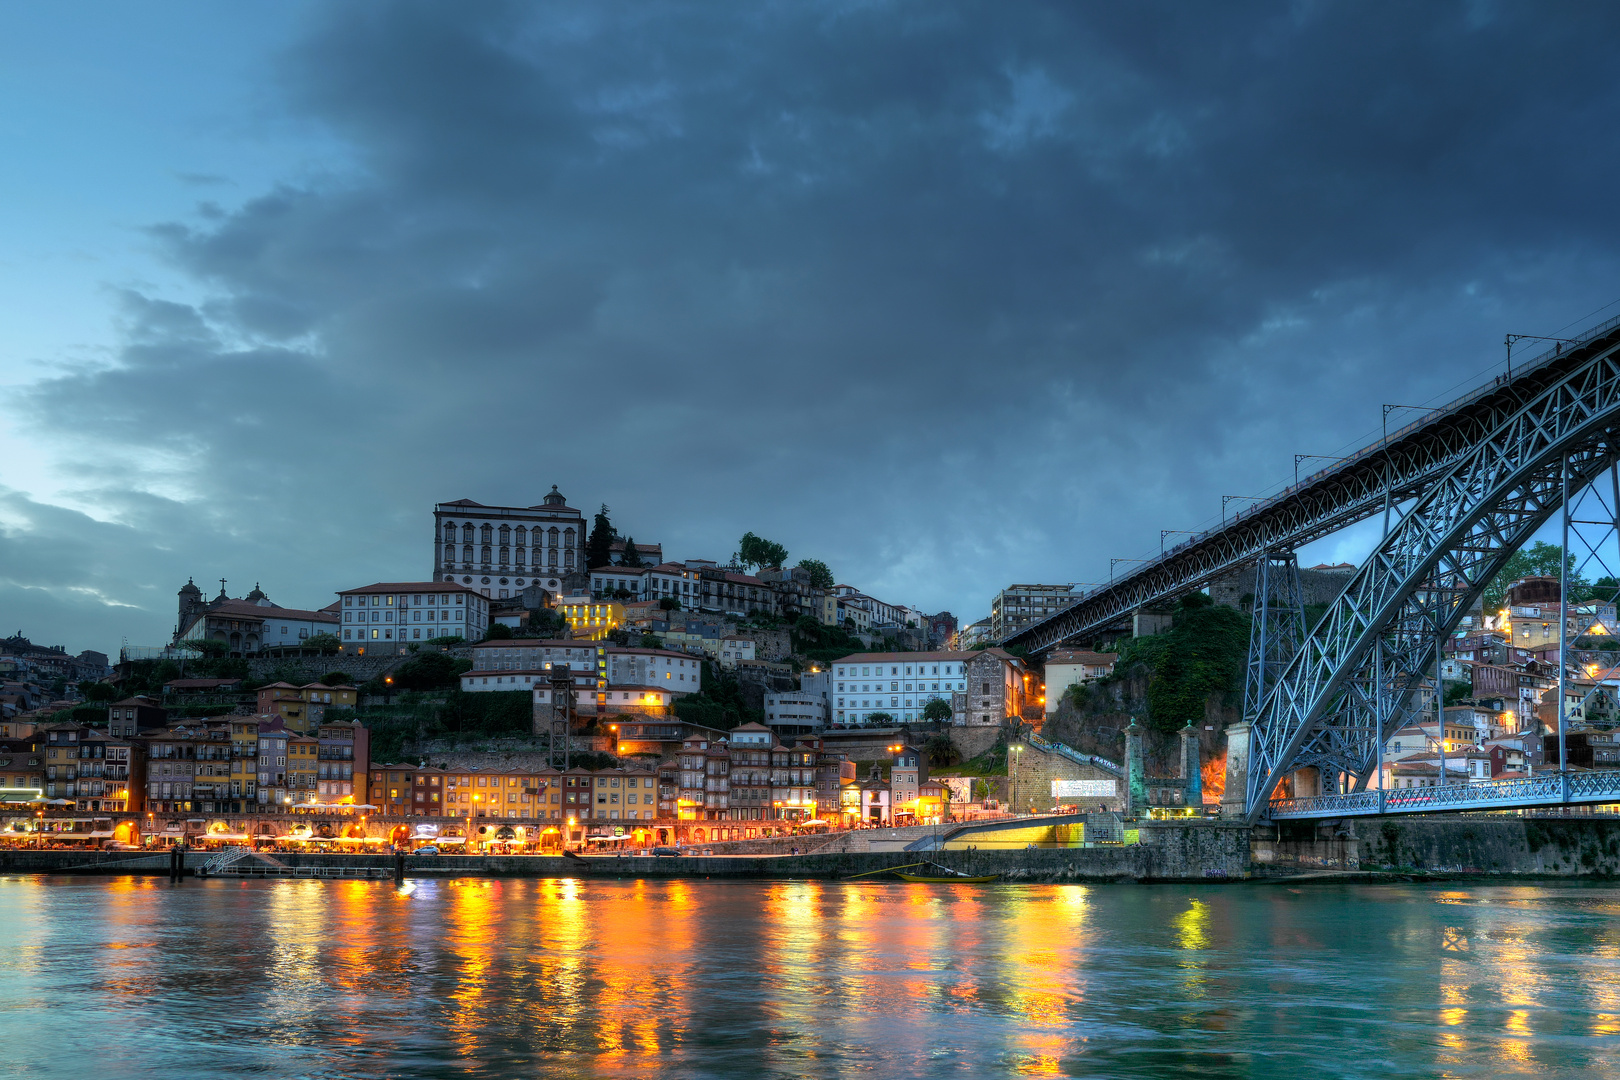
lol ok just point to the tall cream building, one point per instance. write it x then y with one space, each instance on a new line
501 550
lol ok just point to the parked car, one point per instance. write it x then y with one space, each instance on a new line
119 845
429 850
660 852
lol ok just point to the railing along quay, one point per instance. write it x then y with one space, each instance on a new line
1535 792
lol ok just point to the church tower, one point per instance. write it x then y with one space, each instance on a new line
191 602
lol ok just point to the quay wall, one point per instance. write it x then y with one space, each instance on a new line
1486 844
1202 852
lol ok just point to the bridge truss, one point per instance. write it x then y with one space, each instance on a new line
1355 680
1390 472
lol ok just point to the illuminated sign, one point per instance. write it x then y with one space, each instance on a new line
1084 789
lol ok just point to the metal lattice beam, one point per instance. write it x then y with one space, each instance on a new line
1395 469
1378 639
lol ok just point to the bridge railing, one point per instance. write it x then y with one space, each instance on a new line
1549 789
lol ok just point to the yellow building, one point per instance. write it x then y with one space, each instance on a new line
303 708
244 763
303 752
590 619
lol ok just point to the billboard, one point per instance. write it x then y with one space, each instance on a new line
1084 789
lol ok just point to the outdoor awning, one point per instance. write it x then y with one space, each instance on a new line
813 821
226 836
452 840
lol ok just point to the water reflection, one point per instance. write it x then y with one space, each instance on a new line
560 977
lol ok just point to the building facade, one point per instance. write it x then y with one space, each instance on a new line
499 550
1019 606
383 619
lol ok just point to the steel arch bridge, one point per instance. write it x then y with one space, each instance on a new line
1474 480
1390 471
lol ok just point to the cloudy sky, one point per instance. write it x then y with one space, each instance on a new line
947 295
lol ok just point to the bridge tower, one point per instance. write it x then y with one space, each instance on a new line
1275 638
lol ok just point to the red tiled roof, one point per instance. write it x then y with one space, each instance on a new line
410 587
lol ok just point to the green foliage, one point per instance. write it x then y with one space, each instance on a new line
651 641
599 546
497 715
449 641
543 623
431 671
1205 651
326 644
1457 693
720 705
669 603
498 632
940 750
821 575
94 715
1540 558
823 644
98 691
937 709
879 719
337 678
632 557
757 551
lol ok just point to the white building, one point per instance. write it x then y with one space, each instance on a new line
500 550
677 672
799 713
735 649
386 617
1073 667
526 663
1020 606
899 684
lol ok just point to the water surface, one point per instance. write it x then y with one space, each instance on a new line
559 978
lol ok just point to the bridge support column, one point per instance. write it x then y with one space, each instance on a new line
1136 796
1234 796
1192 767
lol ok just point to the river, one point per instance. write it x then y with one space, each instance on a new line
124 977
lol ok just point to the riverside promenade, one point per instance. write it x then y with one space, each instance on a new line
1203 851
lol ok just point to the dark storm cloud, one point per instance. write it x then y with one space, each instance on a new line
949 297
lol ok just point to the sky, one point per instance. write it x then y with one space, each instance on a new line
948 296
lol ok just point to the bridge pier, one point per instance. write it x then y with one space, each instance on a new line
1235 795
1136 796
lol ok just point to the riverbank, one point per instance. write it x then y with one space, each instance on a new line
1200 852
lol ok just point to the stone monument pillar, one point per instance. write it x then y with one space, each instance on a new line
1136 796
1234 795
1192 767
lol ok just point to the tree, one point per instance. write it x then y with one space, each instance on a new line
325 644
1540 559
940 750
879 719
338 678
937 709
498 632
669 603
98 691
651 641
632 557
430 671
821 576
756 551
599 547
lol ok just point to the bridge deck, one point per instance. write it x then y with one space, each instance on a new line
1551 789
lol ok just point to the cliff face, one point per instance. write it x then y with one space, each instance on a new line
1094 722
